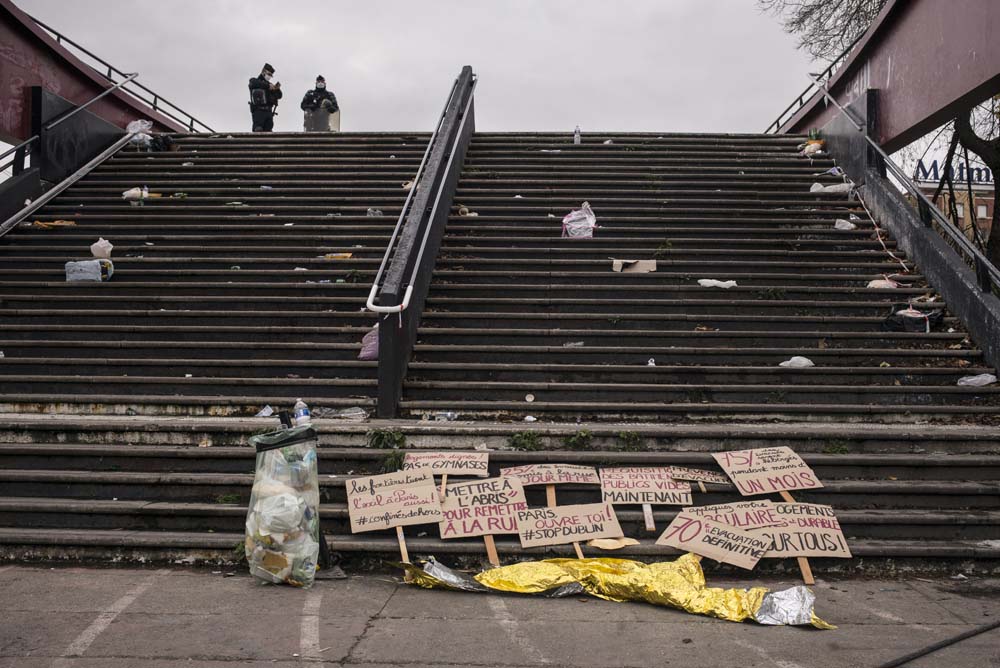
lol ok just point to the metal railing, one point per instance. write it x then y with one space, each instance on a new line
805 95
109 71
987 274
387 256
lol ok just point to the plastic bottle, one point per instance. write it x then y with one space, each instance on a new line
576 135
302 414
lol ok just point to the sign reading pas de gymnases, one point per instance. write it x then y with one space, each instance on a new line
391 500
766 470
449 463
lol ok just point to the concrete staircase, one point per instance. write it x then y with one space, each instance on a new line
236 295
514 310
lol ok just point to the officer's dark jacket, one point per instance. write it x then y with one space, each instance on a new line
261 95
314 98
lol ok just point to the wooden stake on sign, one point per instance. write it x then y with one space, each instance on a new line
491 550
579 552
807 574
550 496
403 552
701 486
444 482
647 515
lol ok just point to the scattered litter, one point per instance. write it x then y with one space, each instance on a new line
149 243
235 267
530 418
573 344
354 413
576 135
980 380
445 416
842 224
833 171
338 256
408 185
236 203
266 411
551 150
266 188
812 149
651 361
1 355
101 249
910 319
579 223
842 188
140 132
884 283
369 345
187 164
464 211
373 212
608 141
713 283
797 362
633 266
959 577
136 195
611 543
179 196
90 270
518 197
529 398
48 224
552 215
288 224
392 157
884 365
300 269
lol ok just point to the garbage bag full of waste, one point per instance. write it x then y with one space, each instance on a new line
140 132
90 270
101 249
369 345
282 527
579 223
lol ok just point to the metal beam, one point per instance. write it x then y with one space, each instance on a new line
927 58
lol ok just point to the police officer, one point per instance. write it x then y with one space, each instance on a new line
264 97
322 114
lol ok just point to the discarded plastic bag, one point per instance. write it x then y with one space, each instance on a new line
812 148
832 188
579 223
712 283
140 130
369 345
909 319
633 266
90 270
282 526
101 249
883 284
675 584
841 224
797 362
980 380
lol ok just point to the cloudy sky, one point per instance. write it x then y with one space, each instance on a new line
652 65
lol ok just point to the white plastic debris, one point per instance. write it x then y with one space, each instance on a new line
832 188
812 149
713 283
101 249
573 344
797 362
633 266
140 132
372 213
651 362
841 224
530 418
266 411
136 195
579 223
369 345
187 164
90 270
980 380
608 141
883 283
408 185
529 398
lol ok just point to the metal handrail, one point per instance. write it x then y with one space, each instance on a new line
83 106
53 192
370 304
904 179
18 148
800 101
154 103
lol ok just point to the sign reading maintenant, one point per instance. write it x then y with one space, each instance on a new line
450 463
482 507
809 530
714 540
767 470
393 499
567 524
553 474
650 485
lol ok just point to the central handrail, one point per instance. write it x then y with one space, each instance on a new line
980 261
370 304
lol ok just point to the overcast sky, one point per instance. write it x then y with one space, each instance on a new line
633 65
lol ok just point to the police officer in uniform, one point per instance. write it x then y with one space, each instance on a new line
264 98
322 114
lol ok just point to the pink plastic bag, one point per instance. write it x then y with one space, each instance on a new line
369 345
579 223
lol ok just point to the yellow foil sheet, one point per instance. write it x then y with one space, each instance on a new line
675 584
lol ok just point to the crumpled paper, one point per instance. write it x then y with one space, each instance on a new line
675 584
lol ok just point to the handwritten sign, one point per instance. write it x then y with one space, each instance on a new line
740 514
697 475
714 540
567 524
552 474
650 485
810 530
766 470
450 463
393 499
482 507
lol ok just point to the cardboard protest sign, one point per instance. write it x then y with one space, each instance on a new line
766 470
449 463
697 475
714 540
650 485
740 514
567 524
810 530
482 507
392 500
552 474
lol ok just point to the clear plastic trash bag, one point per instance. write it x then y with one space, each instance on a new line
579 223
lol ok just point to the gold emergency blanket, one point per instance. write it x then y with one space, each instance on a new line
676 584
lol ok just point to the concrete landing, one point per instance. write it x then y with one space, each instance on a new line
89 618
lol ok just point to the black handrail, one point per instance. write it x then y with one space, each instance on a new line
800 101
154 104
986 271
